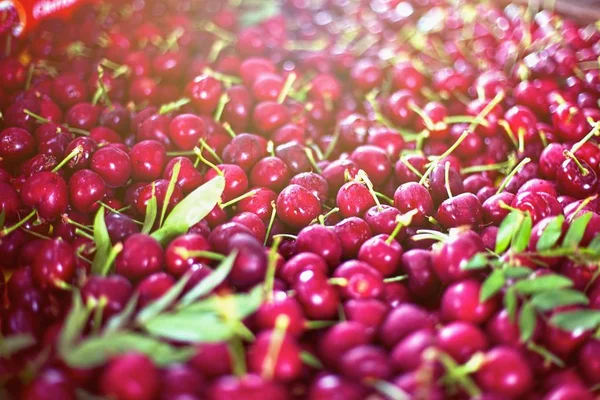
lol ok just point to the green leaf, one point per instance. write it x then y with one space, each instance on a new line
507 229
510 303
170 189
492 285
163 302
206 285
478 261
190 327
552 232
232 307
595 244
543 283
390 391
265 10
102 241
96 350
13 344
527 321
121 319
517 272
150 218
576 320
191 210
546 301
311 360
74 324
521 237
576 230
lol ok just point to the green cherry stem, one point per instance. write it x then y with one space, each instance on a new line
584 171
223 100
201 158
447 179
281 325
74 153
271 267
402 221
271 222
16 226
594 132
287 87
173 106
512 174
239 198
444 155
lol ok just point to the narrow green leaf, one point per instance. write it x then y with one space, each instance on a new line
543 283
191 210
507 229
552 232
163 302
170 189
517 272
311 360
510 303
478 261
576 320
390 391
492 285
548 356
74 324
206 285
595 244
13 344
521 237
102 241
150 218
190 327
232 307
576 230
97 350
546 301
121 319
527 321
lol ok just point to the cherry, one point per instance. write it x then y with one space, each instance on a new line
374 161
130 376
569 121
354 130
505 372
579 181
245 150
423 281
461 210
286 365
398 107
387 140
588 360
86 189
82 116
461 340
212 359
141 256
403 320
47 193
54 264
317 297
153 287
381 253
354 199
115 289
352 232
450 257
439 184
181 381
10 201
365 362
270 172
250 264
569 391
50 384
186 130
406 355
236 181
188 179
158 189
539 205
68 90
220 236
410 196
493 211
112 164
316 183
360 280
461 302
269 115
339 339
281 305
148 159
250 385
330 386
16 144
297 206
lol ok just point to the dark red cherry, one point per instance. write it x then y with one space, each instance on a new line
318 298
408 354
120 227
381 255
16 145
179 255
157 189
423 281
259 203
505 372
141 256
450 257
352 232
148 159
86 189
362 281
54 264
403 320
113 165
461 302
410 196
579 181
322 241
297 206
287 366
354 199
188 179
461 340
339 339
130 376
50 384
186 130
461 210
47 193
366 362
245 150
270 172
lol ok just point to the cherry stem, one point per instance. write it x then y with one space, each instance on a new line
271 269
281 325
594 132
480 118
398 278
311 159
286 235
512 174
173 106
384 197
521 139
271 148
318 324
229 130
113 253
83 233
287 87
486 167
68 220
239 198
198 153
228 80
210 151
464 119
371 99
584 203
238 357
362 176
16 226
187 254
447 179
331 147
503 123
338 281
216 49
218 32
411 167
223 100
424 234
455 374
321 218
584 171
429 124
98 313
444 155
271 222
74 153
402 221
43 120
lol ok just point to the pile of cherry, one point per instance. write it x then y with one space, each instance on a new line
311 200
